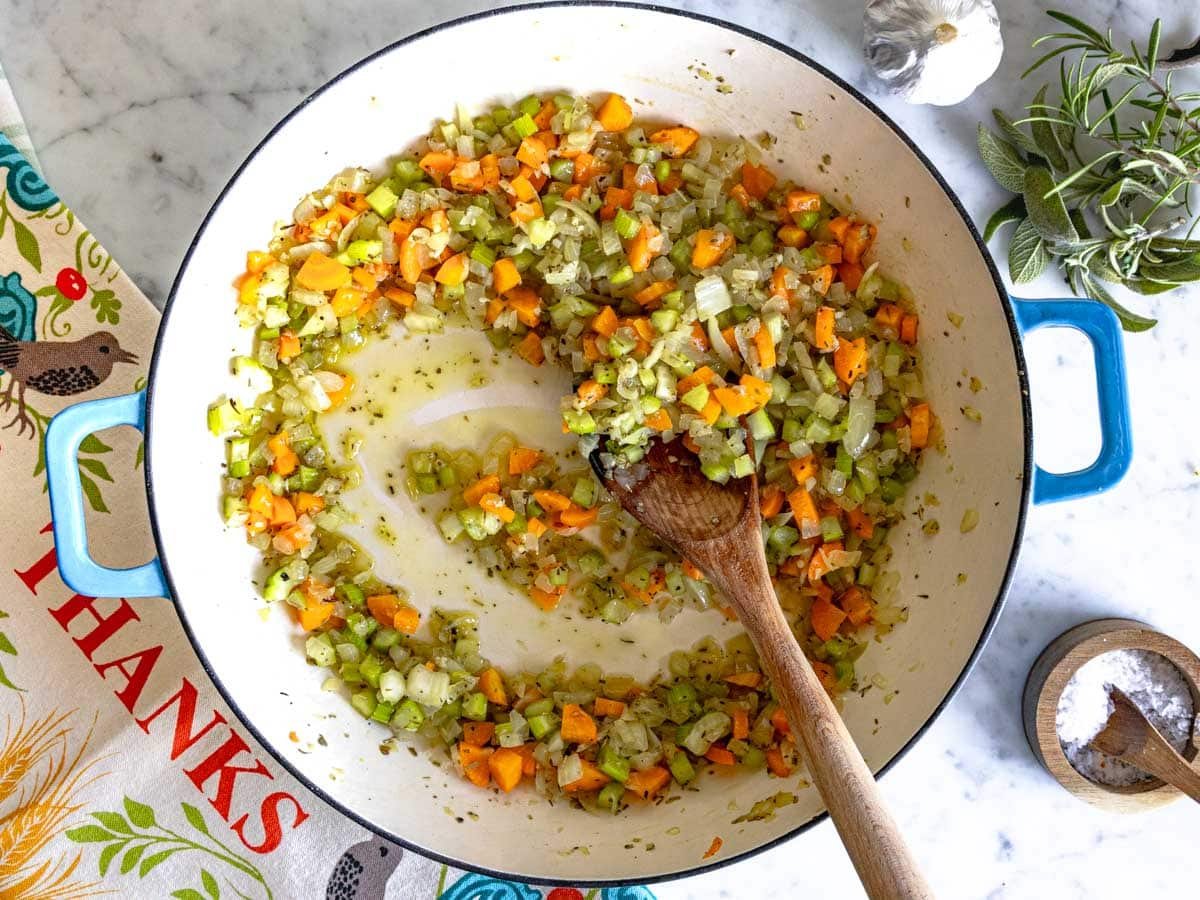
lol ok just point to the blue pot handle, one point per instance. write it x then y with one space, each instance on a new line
1100 326
82 573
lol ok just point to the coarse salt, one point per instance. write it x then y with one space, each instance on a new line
1152 682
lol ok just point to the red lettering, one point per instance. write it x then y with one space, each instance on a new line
272 828
135 681
184 738
34 575
106 626
218 762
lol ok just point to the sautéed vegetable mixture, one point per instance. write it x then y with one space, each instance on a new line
691 293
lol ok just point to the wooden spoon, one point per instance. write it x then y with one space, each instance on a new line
718 528
1130 737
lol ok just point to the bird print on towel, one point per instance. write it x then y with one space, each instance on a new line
363 871
58 368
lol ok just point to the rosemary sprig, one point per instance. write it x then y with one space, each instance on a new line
1105 173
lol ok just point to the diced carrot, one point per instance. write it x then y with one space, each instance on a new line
713 849
618 198
384 607
792 236
851 275
547 600
415 258
605 708
639 250
401 228
908 329
346 300
741 723
765 346
823 337
526 212
453 271
574 192
523 189
406 620
803 469
532 152
829 252
919 421
756 389
889 315
552 500
779 721
659 420
592 779
579 517
530 349
247 286
286 461
850 360
744 679
758 180
314 615
675 141
825 675
802 201
739 193
711 246
819 566
495 504
702 375
289 346
777 764
779 281
699 338
733 400
545 114
320 273
437 162
635 178
257 260
495 306
338 397
528 763
521 460
492 686
505 276
821 279
858 240
306 502
472 757
649 295
478 734
771 501
260 500
282 511
711 411
606 322
838 227
647 783
584 171
826 618
719 755
803 507
505 766
536 527
488 484
402 298
614 113
856 603
527 304
692 571
478 774
860 523
577 726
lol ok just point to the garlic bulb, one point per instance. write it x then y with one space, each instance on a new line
932 51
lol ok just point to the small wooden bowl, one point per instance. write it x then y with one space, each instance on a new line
1049 676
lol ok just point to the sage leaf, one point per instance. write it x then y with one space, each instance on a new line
1013 134
1048 214
1130 321
1012 211
1177 271
1043 134
1149 288
1002 160
1027 256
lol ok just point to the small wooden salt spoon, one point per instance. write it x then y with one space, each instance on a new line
718 528
1131 738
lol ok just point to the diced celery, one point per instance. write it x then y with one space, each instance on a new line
664 320
591 562
540 726
407 171
383 200
762 243
371 668
681 767
562 170
623 275
743 466
539 708
831 529
483 254
807 220
475 707
579 421
610 796
627 225
408 717
319 649
541 231
472 521
278 585
223 418
364 702
761 426
613 764
697 397
524 126
584 493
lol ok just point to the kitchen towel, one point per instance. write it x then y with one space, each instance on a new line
121 769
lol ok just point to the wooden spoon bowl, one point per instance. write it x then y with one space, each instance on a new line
1044 687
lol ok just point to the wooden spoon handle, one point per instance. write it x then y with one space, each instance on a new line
1159 758
874 843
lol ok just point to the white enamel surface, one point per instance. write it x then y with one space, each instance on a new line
923 242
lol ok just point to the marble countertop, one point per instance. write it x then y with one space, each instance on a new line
140 111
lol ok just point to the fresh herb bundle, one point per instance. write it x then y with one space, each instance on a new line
1104 175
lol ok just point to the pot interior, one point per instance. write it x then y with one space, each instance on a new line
719 81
